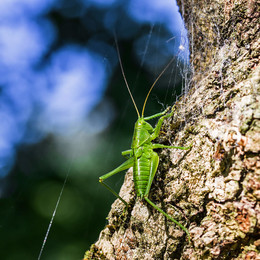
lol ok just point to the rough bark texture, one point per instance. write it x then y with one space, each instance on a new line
213 189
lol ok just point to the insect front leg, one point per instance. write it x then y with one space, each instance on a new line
126 165
158 114
159 123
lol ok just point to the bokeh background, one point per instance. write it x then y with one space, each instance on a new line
65 111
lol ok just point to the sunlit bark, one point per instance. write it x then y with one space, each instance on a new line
213 189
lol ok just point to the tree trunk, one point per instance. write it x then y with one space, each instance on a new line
212 189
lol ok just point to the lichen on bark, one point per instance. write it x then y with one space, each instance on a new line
213 189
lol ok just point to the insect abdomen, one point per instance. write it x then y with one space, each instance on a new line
141 169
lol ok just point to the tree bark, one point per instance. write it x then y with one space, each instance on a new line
214 188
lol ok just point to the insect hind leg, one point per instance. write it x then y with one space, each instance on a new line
153 169
168 216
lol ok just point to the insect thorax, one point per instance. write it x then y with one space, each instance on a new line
142 133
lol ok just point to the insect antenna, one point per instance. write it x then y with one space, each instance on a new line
122 69
155 83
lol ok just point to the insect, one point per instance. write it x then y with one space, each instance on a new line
142 156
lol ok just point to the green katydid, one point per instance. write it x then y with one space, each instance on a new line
141 155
